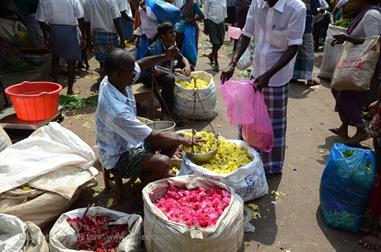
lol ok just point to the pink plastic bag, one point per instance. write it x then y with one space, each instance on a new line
259 134
238 96
234 32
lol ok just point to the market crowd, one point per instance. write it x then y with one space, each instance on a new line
287 33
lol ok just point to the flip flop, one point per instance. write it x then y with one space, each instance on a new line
358 140
312 83
338 133
216 68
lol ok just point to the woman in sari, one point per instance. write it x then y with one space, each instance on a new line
349 104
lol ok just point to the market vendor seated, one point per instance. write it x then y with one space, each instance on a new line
127 146
166 39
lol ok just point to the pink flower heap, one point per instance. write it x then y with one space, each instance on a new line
197 207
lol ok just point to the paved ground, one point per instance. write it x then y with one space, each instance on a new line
292 222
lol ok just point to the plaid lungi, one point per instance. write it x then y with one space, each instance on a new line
104 42
127 27
305 59
64 41
276 102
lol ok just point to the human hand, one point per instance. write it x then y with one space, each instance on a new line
46 42
171 52
262 81
339 39
191 142
227 73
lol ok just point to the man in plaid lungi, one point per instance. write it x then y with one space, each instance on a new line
278 27
102 19
59 23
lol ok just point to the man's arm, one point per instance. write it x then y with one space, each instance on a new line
263 80
120 33
44 29
82 28
168 139
125 16
150 61
243 43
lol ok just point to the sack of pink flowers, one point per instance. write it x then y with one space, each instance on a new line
189 213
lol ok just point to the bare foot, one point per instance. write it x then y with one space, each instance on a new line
210 57
371 242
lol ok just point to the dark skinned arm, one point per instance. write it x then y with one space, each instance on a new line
88 33
44 29
169 139
263 80
150 61
120 33
340 38
82 28
126 17
243 43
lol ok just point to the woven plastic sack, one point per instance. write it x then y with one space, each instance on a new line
248 181
259 134
331 53
5 141
246 59
345 187
356 65
165 235
165 12
189 49
238 96
62 236
16 235
206 100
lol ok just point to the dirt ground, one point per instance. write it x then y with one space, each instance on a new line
291 222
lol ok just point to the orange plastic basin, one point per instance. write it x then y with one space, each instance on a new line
35 101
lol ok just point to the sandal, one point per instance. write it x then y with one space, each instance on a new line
357 140
338 132
216 68
311 83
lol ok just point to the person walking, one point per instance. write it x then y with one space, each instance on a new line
59 22
101 17
305 58
349 104
126 22
215 13
278 27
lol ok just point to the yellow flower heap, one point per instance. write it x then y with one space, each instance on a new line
200 84
209 145
229 156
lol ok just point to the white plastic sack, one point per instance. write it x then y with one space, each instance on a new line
183 103
16 236
55 163
331 53
62 236
248 181
246 59
47 150
10 29
162 234
356 66
5 141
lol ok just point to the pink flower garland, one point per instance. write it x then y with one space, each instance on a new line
197 207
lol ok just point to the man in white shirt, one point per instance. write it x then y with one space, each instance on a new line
127 146
59 21
214 15
278 27
101 17
126 22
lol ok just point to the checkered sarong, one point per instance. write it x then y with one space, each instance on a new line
104 42
276 102
305 59
127 27
64 41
